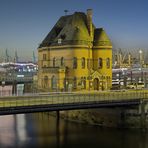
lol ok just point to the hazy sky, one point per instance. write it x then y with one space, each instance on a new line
25 23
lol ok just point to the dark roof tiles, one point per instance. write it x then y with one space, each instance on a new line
73 29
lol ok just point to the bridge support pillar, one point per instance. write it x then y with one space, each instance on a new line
58 128
58 116
142 115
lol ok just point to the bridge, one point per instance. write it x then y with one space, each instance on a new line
43 102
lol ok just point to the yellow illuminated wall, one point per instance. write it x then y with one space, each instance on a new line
82 43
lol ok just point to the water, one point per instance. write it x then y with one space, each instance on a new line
41 130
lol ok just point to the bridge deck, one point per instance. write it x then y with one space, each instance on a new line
64 101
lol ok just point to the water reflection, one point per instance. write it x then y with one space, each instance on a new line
42 130
7 133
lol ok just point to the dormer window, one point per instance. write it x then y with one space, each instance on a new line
59 41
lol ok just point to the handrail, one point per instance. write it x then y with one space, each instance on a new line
74 98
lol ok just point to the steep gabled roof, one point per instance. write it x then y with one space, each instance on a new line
71 29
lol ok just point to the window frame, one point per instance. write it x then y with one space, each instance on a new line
75 63
100 63
83 62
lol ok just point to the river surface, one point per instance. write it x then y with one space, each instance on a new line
40 130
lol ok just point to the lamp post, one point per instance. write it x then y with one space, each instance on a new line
140 75
14 87
141 59
3 84
120 79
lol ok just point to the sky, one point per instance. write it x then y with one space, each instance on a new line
25 23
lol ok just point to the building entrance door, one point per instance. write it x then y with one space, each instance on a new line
96 84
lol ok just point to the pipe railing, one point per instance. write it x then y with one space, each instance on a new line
73 98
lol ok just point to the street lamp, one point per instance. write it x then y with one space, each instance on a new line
141 59
14 87
3 84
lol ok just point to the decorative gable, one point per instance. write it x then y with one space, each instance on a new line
96 74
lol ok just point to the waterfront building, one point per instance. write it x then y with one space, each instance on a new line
75 55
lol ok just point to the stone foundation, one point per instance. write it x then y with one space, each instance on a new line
117 117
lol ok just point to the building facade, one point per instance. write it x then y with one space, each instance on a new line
75 55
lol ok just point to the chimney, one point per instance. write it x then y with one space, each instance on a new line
89 21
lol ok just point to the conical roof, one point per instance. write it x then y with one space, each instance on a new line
101 38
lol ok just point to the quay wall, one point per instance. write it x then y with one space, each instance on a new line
118 117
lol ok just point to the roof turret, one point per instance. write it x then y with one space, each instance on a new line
101 38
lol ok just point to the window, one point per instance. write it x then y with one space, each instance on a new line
54 62
62 61
74 62
108 63
83 82
45 81
83 62
66 84
75 82
53 82
59 41
100 63
44 56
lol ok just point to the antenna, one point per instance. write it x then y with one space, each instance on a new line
66 11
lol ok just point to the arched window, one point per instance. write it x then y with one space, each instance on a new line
62 61
45 81
54 62
83 82
74 62
108 63
83 62
74 82
53 82
100 63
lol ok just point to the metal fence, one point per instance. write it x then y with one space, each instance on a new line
60 99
